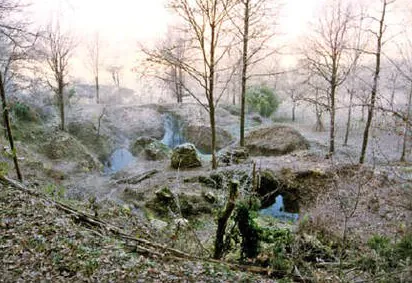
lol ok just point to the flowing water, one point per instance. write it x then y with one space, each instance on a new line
277 210
173 131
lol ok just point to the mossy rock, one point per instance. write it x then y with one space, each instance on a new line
63 146
275 140
185 156
86 133
201 137
140 144
157 151
234 155
163 203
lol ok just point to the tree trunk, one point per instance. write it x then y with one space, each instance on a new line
406 128
244 72
96 80
348 125
180 86
332 124
8 129
211 94
223 219
293 111
60 95
371 107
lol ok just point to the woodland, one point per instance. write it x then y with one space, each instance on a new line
240 157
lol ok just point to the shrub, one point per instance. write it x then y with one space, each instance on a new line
262 100
23 112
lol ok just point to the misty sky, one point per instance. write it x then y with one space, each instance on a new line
123 23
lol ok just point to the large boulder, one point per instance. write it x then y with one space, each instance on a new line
201 137
185 156
275 140
64 147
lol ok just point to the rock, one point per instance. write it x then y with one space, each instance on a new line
164 195
210 197
234 155
194 204
157 151
257 118
150 149
62 146
201 137
140 144
275 140
185 156
163 203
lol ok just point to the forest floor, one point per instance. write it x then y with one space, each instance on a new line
33 228
41 243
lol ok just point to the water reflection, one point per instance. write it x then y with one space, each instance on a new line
277 210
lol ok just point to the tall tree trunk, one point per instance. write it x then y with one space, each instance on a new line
332 113
96 81
180 87
407 127
293 111
244 72
374 91
8 128
61 105
211 93
348 124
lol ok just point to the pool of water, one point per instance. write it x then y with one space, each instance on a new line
277 210
119 159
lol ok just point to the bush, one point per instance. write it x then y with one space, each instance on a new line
262 100
23 112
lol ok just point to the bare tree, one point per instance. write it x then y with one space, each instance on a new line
327 54
254 32
403 67
205 22
377 53
94 62
16 43
57 50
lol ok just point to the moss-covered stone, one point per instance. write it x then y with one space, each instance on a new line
63 146
201 137
140 144
275 140
185 156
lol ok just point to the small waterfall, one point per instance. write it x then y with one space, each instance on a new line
173 131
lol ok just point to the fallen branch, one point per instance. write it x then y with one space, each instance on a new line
138 178
141 245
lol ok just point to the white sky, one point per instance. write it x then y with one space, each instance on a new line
123 23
